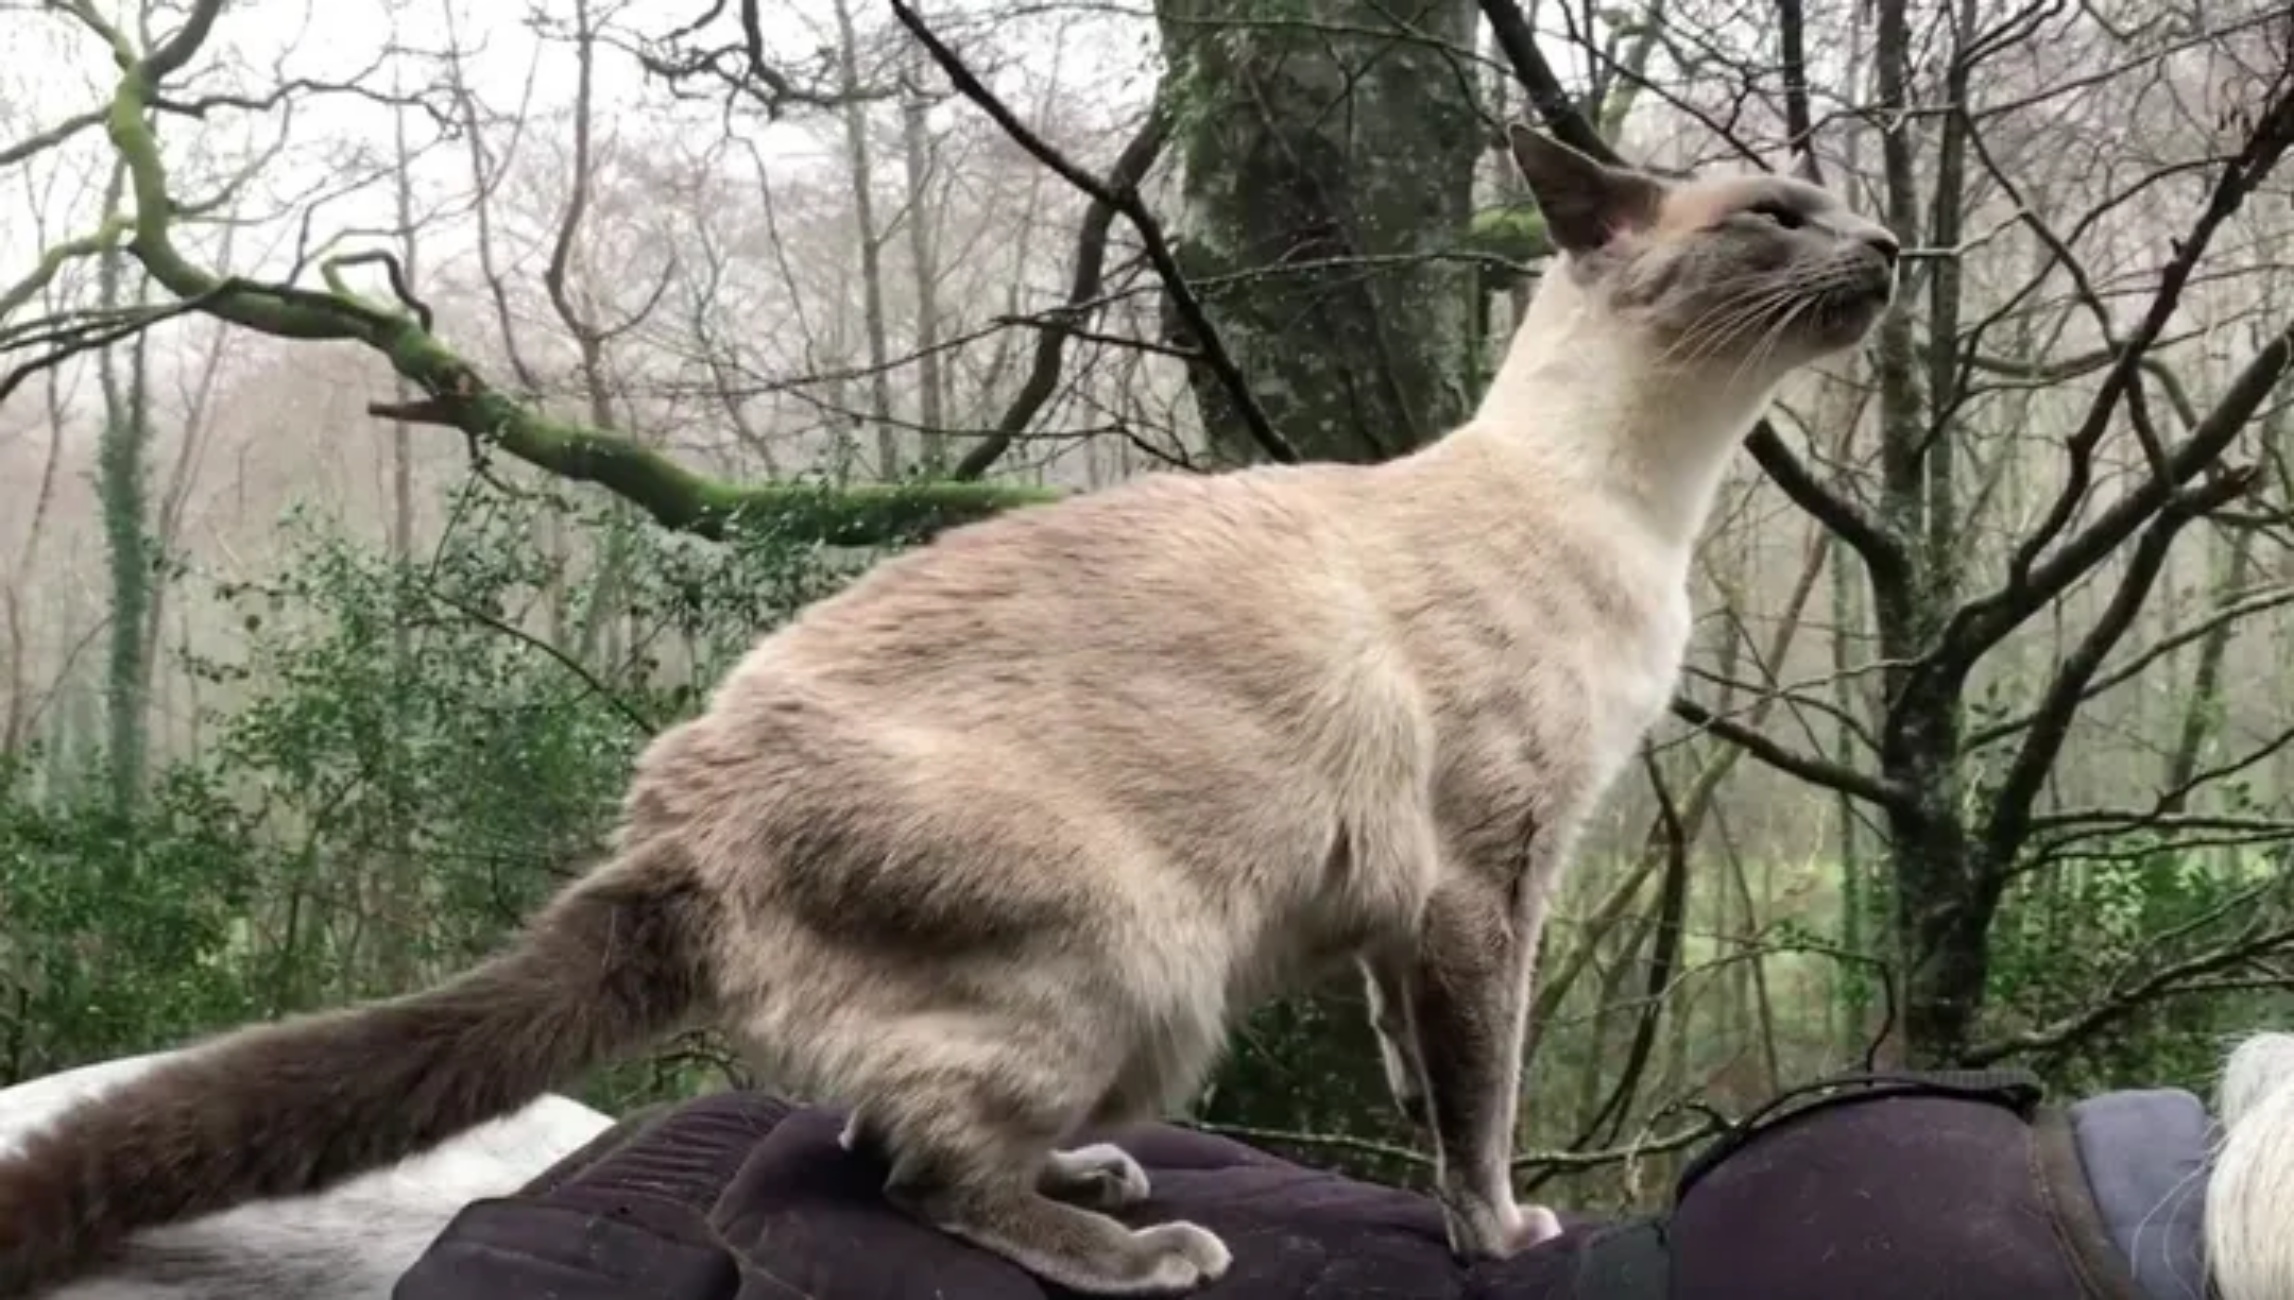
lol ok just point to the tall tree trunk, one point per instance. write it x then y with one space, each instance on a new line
586 323
2203 703
1321 159
401 433
167 512
120 485
1854 976
923 258
402 883
860 162
16 730
1946 890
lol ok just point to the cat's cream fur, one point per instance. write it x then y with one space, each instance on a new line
996 844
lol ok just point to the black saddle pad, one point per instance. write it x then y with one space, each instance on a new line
739 1196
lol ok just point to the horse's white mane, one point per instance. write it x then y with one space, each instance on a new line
2249 1249
349 1243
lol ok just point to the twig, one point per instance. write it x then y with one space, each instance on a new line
1134 210
398 282
1083 286
630 712
1817 771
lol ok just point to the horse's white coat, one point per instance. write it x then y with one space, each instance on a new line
349 1243
2250 1196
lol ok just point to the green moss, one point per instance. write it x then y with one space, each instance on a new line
1513 233
673 495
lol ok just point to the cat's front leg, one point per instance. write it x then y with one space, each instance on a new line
1469 1002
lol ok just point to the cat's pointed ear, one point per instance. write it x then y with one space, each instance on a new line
1586 203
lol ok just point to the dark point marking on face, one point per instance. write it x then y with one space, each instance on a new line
1714 269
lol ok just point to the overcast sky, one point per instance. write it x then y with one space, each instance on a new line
53 68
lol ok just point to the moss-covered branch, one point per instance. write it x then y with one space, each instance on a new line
1512 238
457 396
52 260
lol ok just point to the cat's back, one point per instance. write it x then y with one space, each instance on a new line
1191 575
1135 668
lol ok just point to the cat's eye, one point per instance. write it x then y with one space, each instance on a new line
1771 210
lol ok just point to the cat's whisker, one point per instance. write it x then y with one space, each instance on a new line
1713 331
1767 346
1751 320
1748 315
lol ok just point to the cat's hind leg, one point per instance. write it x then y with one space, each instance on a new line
975 1155
1102 1176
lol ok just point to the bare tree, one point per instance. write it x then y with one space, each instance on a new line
1956 845
454 393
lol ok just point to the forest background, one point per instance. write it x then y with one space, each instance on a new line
408 408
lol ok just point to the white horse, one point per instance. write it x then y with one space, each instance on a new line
348 1243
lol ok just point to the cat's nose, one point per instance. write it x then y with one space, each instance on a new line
1882 242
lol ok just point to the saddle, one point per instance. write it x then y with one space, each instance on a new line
1867 1186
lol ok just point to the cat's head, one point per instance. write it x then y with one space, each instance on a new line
1736 273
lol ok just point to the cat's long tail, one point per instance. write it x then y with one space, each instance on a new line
613 962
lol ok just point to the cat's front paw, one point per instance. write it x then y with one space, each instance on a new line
1534 1225
1481 1230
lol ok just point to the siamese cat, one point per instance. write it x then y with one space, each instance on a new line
994 845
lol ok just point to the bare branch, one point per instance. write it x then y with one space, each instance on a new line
1124 177
1983 623
2133 666
454 392
1553 103
2010 814
1553 1161
1817 771
2031 582
50 138
2126 998
1134 210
